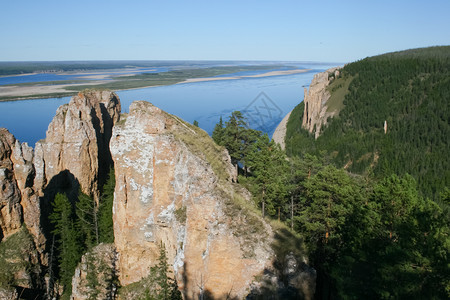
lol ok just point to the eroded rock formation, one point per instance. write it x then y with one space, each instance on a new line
77 141
11 215
174 186
77 146
315 113
167 191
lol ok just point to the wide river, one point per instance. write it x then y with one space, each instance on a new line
264 102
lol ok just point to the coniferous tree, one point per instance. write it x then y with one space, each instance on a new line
269 168
67 232
218 133
233 136
106 226
87 219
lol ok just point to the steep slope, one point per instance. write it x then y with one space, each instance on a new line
409 91
74 153
316 107
174 186
77 141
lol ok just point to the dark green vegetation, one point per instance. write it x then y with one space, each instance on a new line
411 91
77 227
367 238
19 264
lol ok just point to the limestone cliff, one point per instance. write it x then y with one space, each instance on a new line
10 195
77 141
76 149
315 114
172 187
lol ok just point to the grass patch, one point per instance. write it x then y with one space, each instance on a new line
16 253
338 89
201 144
180 214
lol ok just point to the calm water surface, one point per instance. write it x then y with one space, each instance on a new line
264 102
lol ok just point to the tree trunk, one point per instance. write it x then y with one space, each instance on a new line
50 271
96 222
263 202
292 212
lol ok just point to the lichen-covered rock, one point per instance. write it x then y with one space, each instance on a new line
10 196
315 113
77 141
8 293
95 276
172 186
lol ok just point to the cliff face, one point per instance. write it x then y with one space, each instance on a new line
315 114
77 141
174 186
77 145
10 195
168 192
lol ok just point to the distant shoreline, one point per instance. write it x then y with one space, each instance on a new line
17 93
267 74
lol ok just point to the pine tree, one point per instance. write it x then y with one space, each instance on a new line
233 136
218 133
87 219
269 168
67 232
106 226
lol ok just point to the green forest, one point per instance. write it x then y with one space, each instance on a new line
78 225
410 90
372 231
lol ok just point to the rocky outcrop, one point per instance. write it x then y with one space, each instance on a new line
77 142
10 209
18 202
315 113
76 146
170 189
95 277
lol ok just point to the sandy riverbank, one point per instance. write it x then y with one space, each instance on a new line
280 132
28 91
10 92
267 74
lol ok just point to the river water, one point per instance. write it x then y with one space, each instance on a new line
264 102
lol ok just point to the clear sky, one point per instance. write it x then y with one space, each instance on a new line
331 31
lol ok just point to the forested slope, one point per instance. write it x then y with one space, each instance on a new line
410 90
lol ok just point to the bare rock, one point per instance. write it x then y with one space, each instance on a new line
95 276
315 113
172 186
77 141
10 196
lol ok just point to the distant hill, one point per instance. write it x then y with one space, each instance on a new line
410 90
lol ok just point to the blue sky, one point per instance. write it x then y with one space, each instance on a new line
331 31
